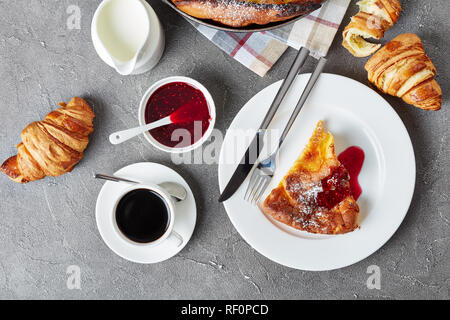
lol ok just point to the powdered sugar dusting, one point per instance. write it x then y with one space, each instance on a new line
315 199
309 198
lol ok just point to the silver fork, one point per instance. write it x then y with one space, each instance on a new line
264 171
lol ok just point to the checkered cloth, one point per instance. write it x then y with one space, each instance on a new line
260 50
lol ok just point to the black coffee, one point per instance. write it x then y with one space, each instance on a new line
142 215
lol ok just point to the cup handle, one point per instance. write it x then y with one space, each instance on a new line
175 238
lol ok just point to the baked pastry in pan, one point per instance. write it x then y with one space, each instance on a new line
315 195
241 13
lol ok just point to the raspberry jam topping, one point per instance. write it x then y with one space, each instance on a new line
335 188
352 159
331 190
323 194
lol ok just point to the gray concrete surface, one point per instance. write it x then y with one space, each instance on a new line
48 225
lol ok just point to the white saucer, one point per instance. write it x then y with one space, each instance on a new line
186 210
356 115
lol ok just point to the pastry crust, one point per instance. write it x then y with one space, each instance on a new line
388 10
241 13
372 21
53 146
401 68
302 199
363 25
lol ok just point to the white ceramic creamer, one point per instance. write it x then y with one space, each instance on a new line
127 35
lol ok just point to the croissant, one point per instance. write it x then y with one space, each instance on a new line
401 68
53 146
372 21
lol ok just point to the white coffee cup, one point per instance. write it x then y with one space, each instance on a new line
169 235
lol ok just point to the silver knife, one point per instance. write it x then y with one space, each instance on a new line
253 151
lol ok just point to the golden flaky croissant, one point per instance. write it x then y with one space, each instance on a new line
401 68
374 18
53 146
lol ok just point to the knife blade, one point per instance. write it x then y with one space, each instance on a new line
251 155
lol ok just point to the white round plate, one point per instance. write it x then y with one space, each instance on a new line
355 115
186 213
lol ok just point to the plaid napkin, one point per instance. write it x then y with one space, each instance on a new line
260 50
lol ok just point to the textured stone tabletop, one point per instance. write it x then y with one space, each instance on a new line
49 225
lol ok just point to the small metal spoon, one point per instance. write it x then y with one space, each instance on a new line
174 189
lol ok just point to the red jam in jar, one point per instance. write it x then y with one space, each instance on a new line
188 109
